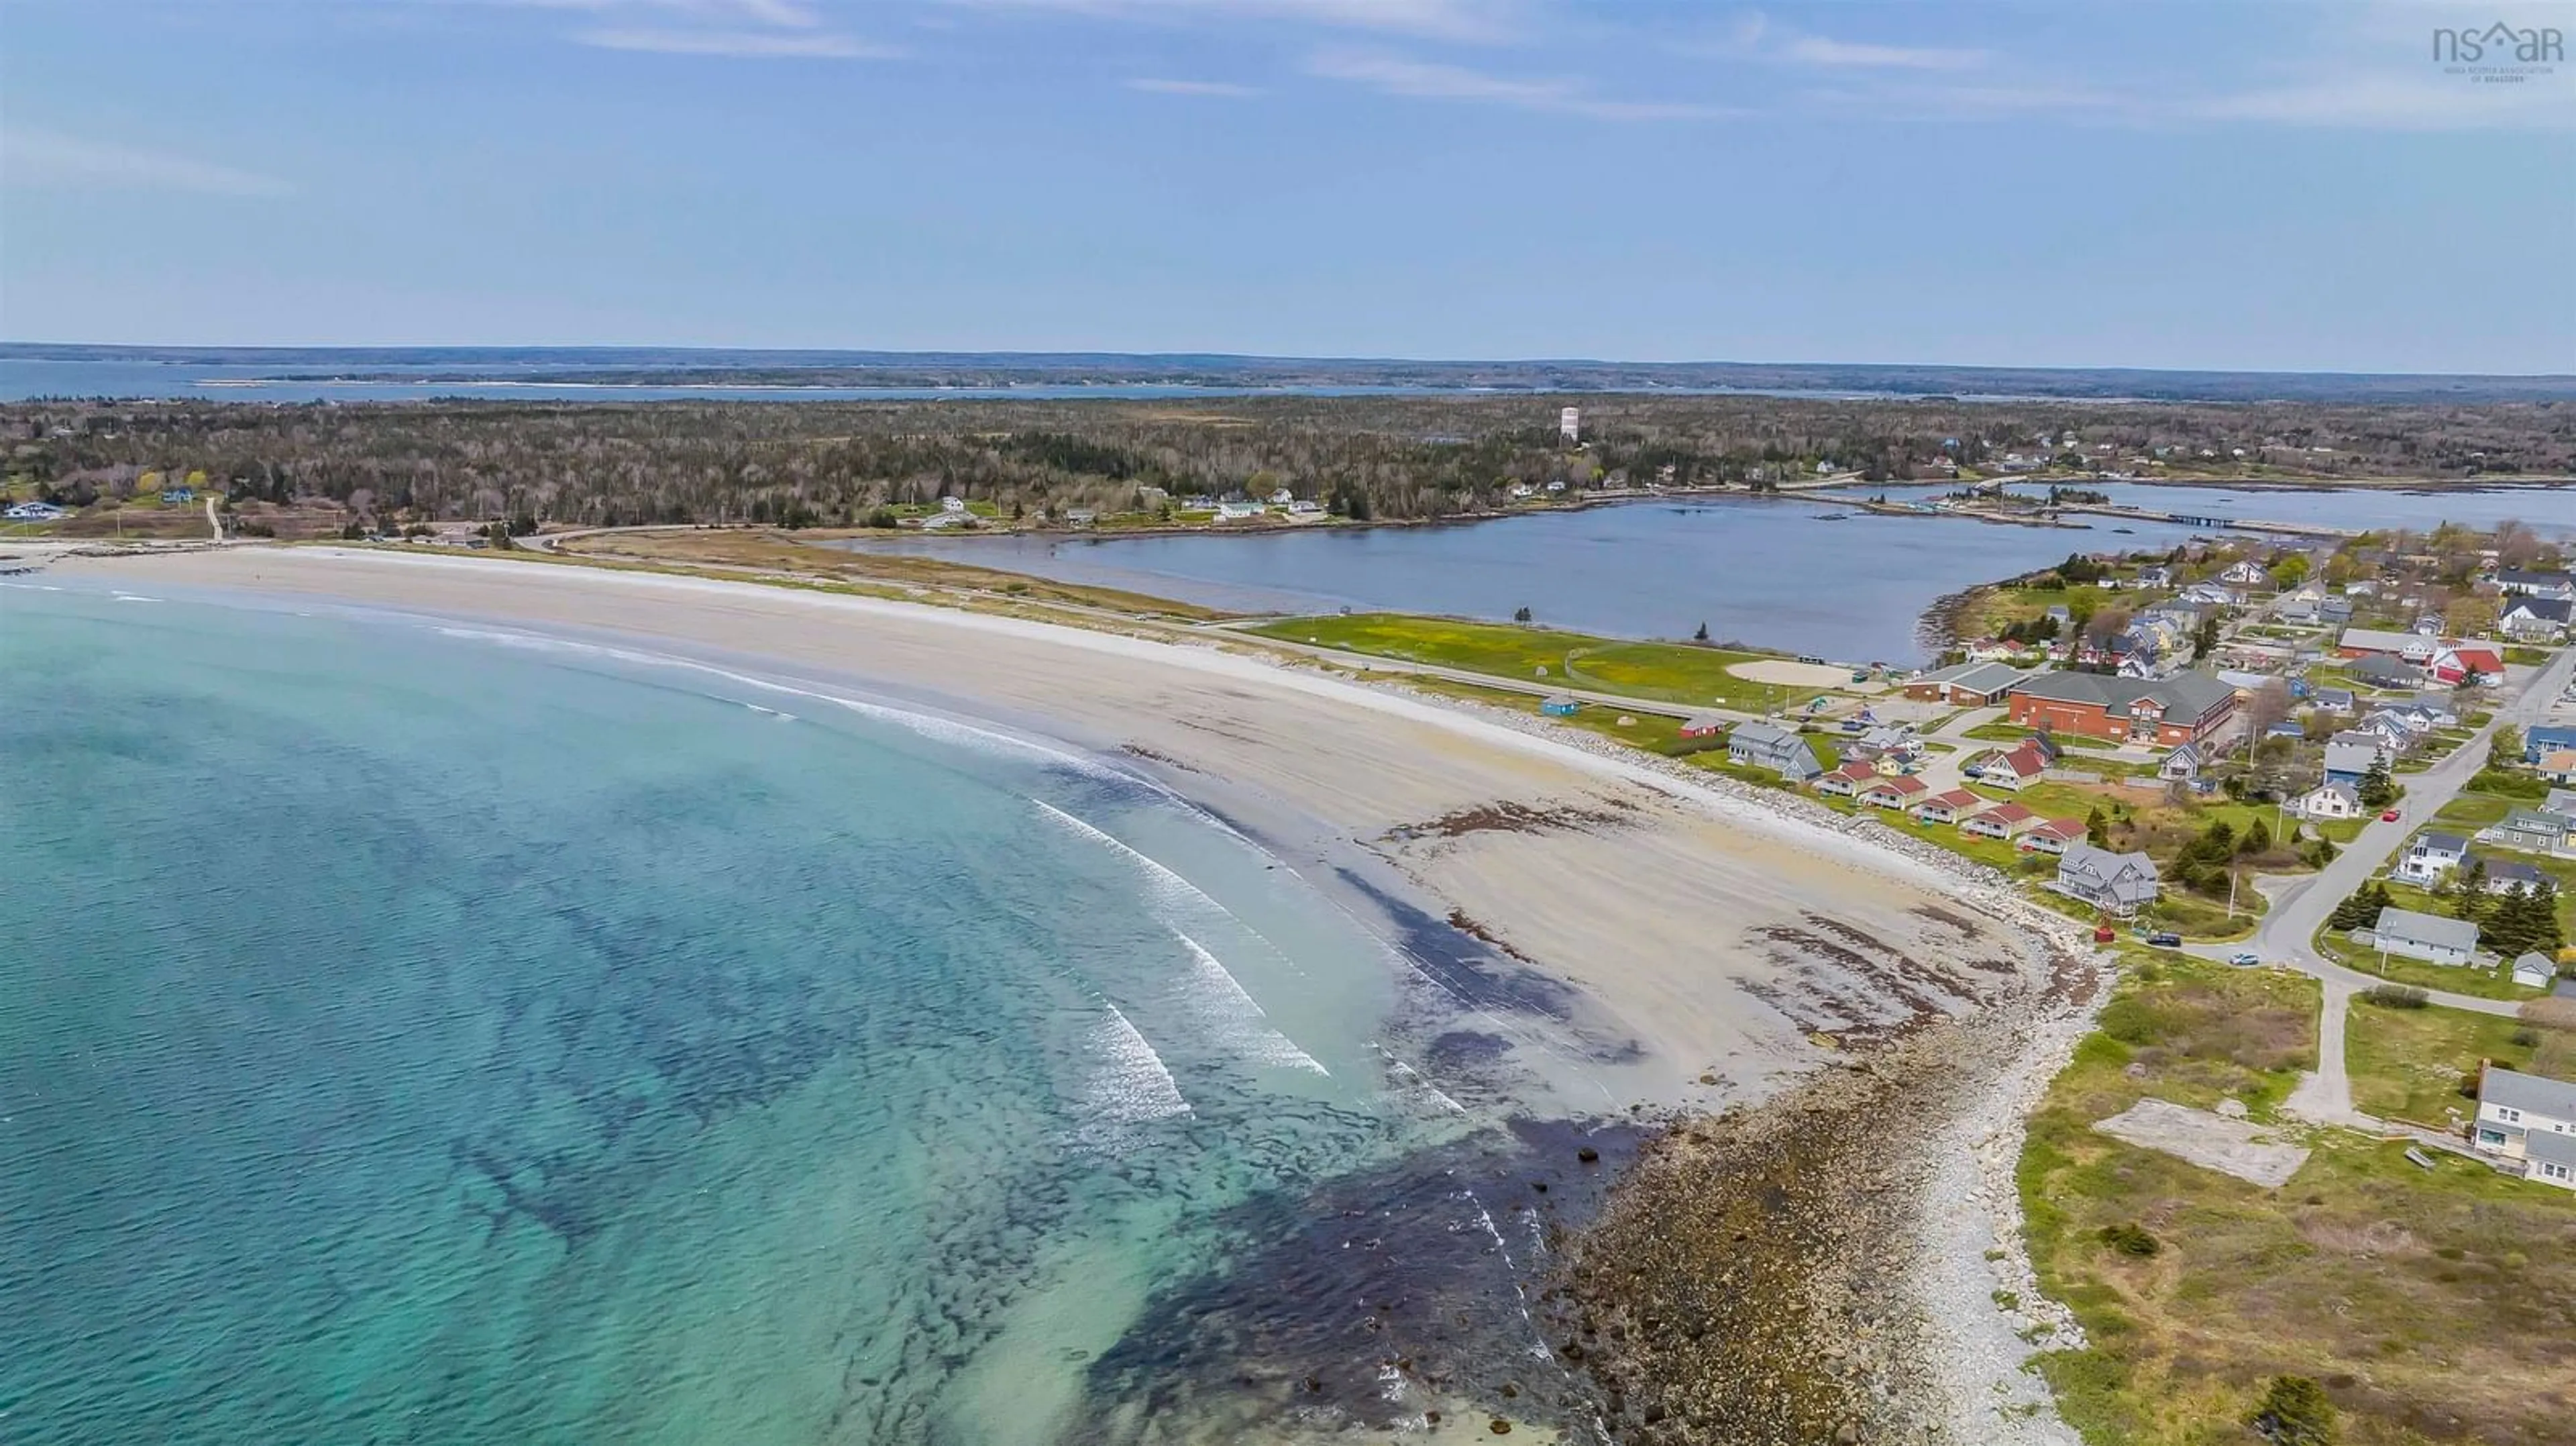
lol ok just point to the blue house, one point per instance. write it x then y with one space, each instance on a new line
2546 740
1559 706
173 496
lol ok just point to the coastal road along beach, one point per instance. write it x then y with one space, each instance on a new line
1705 933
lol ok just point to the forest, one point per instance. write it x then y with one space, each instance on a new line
815 463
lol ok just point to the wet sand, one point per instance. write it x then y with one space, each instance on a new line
1716 936
1706 947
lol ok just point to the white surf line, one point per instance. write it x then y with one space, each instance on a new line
1467 1005
1139 1086
1268 1043
1201 658
1208 658
918 719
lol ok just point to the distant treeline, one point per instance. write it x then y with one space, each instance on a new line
814 463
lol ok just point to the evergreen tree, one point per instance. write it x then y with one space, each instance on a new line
2472 900
2097 830
2376 788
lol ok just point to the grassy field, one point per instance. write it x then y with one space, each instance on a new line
2418 1301
2407 1064
2473 810
1664 672
785 552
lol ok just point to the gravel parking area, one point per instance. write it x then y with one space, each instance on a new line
2250 1152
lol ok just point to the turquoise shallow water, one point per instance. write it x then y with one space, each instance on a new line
407 1037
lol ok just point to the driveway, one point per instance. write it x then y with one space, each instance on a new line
2300 904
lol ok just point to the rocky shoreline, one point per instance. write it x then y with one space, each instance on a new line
1843 1261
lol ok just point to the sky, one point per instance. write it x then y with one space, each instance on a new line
2263 184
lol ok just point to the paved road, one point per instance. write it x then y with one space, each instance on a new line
2299 906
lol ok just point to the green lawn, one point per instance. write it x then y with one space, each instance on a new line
2492 982
1680 673
2406 1294
2406 1064
1665 672
2473 810
2000 731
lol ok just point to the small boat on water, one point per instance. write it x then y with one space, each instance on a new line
1835 517
2125 531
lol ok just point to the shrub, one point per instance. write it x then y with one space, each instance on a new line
2526 1037
2294 1412
2395 996
2130 1238
2550 1013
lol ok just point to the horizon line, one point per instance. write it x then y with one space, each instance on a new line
7 348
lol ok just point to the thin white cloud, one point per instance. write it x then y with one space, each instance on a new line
2400 103
1427 80
1818 50
740 44
1226 89
1467 20
740 29
46 158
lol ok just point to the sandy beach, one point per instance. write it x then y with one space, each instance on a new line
1706 945
1719 937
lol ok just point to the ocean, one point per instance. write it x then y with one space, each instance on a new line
417 1031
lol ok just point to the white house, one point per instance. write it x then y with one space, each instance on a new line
2530 1118
2118 883
2534 970
2429 857
952 504
2537 619
1237 511
2329 800
2425 936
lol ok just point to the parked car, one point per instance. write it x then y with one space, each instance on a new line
2244 958
2167 940
2388 815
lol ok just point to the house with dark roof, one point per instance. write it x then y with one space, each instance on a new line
2383 671
2429 857
2425 936
2530 1118
2184 708
2560 586
2537 619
